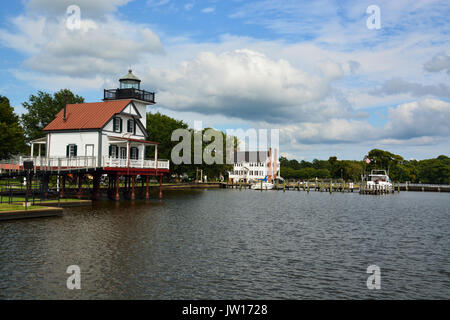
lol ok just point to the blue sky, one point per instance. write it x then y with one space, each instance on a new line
312 69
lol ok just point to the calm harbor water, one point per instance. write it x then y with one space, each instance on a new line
231 244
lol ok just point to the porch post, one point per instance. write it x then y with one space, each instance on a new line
156 156
128 154
147 193
39 150
32 149
133 180
143 155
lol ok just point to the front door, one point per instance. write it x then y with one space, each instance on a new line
89 150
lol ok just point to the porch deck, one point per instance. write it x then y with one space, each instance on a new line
59 164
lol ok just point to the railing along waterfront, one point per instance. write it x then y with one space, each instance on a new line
49 163
69 163
135 163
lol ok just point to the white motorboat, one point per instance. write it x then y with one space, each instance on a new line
378 180
262 185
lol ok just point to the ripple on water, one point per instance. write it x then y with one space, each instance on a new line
231 244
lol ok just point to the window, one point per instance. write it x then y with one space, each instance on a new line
131 126
71 150
113 151
134 153
123 153
117 124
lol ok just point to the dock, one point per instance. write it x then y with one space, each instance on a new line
30 213
328 185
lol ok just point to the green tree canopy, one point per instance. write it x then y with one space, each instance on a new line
42 109
11 133
159 129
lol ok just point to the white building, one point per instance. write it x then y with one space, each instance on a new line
251 166
108 134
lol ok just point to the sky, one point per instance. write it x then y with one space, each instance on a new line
314 70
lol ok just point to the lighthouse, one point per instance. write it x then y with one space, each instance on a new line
130 89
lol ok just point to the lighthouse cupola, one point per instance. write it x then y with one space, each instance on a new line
130 88
130 81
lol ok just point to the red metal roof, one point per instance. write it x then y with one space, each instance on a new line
86 115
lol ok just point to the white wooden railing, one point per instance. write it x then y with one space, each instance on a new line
134 163
67 163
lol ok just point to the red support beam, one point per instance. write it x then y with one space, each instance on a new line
63 185
147 191
80 186
133 180
117 194
160 186
96 186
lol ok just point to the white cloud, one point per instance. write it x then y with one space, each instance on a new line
441 61
88 7
248 85
208 10
427 117
398 85
157 3
408 122
107 46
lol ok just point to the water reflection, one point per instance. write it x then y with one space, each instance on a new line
231 244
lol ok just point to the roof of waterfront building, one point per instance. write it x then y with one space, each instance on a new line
86 115
250 156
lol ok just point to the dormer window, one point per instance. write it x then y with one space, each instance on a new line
117 124
131 126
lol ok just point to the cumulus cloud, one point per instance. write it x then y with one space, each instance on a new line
408 122
427 117
99 47
398 85
249 85
439 62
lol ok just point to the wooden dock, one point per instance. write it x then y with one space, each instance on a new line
314 185
328 185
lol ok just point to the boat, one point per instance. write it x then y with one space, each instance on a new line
378 180
262 184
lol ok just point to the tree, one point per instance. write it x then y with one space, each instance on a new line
42 109
11 133
160 128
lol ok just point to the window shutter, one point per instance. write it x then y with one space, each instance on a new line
117 148
68 150
75 150
110 151
120 119
114 124
137 153
134 126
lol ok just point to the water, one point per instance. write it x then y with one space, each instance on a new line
231 244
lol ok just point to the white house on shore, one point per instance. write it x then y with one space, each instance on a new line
104 134
251 166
